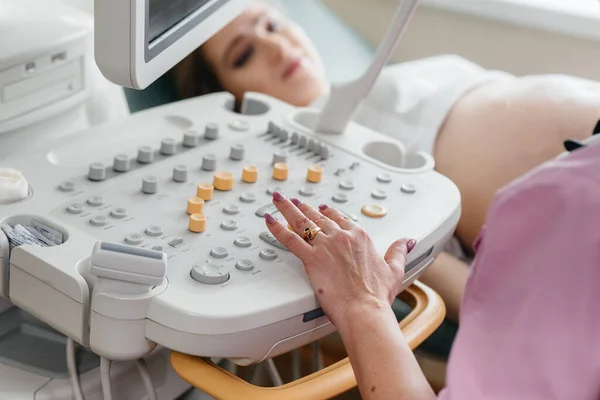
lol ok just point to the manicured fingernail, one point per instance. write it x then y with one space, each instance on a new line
323 207
410 245
296 202
270 219
278 196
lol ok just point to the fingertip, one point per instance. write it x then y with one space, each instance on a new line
323 207
295 201
270 219
410 245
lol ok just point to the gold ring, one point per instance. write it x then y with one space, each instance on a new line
310 233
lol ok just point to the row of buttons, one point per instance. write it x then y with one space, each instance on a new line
146 155
311 145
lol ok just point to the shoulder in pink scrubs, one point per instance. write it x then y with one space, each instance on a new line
530 320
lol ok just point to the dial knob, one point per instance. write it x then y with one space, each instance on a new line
237 152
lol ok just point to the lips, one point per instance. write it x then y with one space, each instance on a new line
292 67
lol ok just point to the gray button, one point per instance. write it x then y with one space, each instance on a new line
354 165
210 274
268 254
312 145
379 194
99 220
279 157
271 190
209 162
302 142
307 191
232 209
154 230
269 238
339 171
229 225
75 208
384 178
319 148
134 239
168 147
347 185
150 185
145 155
236 152
67 186
245 265
180 173
276 132
95 201
121 163
340 198
239 125
211 131
242 241
219 252
408 188
271 127
349 215
176 242
325 153
190 139
118 213
158 248
97 172
283 136
295 138
247 197
267 208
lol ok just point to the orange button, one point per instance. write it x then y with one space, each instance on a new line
315 173
250 174
280 171
374 211
195 205
223 180
197 223
205 191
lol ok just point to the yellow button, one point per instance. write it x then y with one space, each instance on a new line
205 191
280 171
250 174
315 173
223 180
195 205
197 223
374 211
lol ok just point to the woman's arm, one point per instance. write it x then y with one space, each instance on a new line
383 363
355 287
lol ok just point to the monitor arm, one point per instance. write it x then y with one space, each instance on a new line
345 97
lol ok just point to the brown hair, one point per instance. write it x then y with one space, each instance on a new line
194 76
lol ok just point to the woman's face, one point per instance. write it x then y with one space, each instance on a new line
262 52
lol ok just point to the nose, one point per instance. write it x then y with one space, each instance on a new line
276 48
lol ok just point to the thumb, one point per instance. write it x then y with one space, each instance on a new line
395 256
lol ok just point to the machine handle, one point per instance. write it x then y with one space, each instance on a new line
427 314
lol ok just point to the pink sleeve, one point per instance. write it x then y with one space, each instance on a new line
529 324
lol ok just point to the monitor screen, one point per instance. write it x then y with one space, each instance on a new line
164 14
169 20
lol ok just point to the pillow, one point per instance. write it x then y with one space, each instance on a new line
345 53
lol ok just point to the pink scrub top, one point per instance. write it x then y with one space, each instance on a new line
530 318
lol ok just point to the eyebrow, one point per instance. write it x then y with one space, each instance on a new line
239 38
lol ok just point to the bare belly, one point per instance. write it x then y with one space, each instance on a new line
501 130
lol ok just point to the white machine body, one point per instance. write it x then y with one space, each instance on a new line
230 291
44 72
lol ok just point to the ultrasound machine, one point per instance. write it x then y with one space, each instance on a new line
144 237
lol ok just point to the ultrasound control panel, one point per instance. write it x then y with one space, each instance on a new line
155 225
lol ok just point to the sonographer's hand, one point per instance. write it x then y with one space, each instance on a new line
344 268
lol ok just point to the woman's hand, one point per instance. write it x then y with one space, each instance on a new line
343 266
